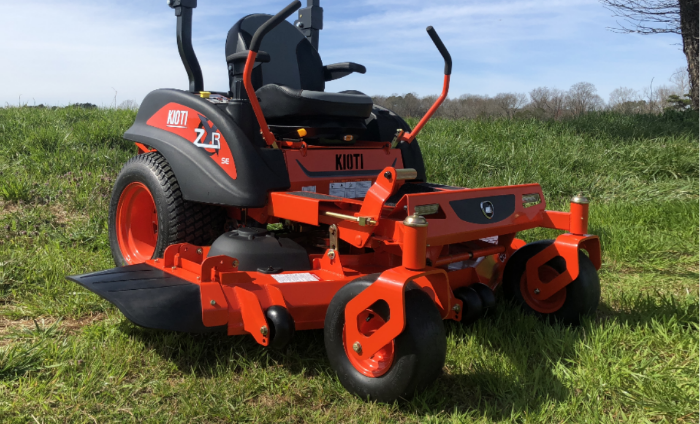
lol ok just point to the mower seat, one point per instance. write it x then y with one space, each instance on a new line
282 103
290 87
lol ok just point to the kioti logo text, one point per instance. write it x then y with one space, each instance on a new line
177 119
349 161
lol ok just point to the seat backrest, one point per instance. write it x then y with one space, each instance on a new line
294 62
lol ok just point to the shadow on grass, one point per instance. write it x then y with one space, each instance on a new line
501 368
514 356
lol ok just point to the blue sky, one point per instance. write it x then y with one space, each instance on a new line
60 52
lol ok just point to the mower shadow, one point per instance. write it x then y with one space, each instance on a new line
207 355
500 367
505 364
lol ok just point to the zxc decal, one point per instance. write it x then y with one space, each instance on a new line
177 119
197 129
210 135
349 161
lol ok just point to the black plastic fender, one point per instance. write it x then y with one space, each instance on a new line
259 169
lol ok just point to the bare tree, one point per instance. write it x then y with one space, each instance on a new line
626 100
659 17
582 98
662 93
557 103
128 104
539 98
411 104
548 102
510 103
622 95
649 96
680 81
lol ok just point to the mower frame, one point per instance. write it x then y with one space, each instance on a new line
437 239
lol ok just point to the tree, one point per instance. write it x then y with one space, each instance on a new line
625 100
582 98
129 104
680 81
675 102
548 102
662 94
663 17
510 103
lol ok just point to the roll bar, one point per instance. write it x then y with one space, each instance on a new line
310 21
183 11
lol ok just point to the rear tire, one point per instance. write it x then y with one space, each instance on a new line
578 299
418 353
147 212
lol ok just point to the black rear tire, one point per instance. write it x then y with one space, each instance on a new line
179 221
582 294
419 351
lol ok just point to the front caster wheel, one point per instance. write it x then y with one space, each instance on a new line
405 366
472 307
578 299
488 299
281 326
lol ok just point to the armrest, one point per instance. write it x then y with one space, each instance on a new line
339 70
262 57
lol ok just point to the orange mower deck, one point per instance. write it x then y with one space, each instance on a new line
238 299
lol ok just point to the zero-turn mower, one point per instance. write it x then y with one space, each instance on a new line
363 245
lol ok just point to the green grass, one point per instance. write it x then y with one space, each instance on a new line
635 361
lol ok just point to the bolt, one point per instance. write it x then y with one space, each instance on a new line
263 330
537 291
213 302
199 251
357 347
455 308
387 175
155 260
174 268
331 254
199 278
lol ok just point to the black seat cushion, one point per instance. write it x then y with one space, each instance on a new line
279 102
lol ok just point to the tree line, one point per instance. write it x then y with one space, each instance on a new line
549 103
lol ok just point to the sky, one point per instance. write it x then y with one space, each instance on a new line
105 52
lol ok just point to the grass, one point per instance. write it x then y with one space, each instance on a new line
68 356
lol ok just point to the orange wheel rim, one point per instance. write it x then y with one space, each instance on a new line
545 306
379 363
137 224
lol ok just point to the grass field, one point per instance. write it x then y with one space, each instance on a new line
68 356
